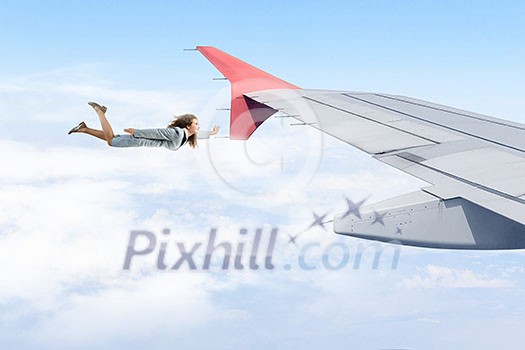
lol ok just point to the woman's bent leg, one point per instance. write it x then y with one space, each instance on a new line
106 127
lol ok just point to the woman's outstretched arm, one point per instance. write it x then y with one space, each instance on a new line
207 134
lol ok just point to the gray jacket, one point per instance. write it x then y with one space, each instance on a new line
171 138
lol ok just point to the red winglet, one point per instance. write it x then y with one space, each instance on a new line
246 114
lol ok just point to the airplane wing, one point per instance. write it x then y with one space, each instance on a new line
474 163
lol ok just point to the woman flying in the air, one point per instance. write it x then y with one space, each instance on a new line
180 131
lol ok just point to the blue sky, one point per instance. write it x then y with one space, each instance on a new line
69 202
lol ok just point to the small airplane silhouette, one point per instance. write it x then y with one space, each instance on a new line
353 208
318 220
379 218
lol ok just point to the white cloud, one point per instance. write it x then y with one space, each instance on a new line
66 215
159 304
68 205
443 277
429 320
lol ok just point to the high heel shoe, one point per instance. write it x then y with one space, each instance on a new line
96 105
81 125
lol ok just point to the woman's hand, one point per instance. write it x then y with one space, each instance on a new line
130 131
215 130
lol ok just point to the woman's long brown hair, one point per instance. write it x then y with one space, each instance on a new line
183 121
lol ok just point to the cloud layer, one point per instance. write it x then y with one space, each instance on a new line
69 202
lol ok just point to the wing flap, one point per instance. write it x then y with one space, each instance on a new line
511 208
489 167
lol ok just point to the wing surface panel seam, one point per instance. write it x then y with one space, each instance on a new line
370 119
448 111
437 124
